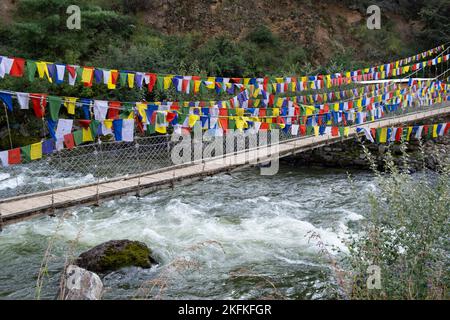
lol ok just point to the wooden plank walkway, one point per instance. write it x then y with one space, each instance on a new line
22 207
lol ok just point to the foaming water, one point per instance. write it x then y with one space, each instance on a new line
226 236
18 180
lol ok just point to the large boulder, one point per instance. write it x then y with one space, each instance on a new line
114 255
81 284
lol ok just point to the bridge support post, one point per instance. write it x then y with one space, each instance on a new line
97 155
1 222
52 214
138 194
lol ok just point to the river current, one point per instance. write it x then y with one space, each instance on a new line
231 236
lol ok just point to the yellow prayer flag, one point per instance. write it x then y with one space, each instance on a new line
316 130
36 151
346 131
160 128
408 133
111 85
141 107
70 103
383 135
435 133
309 110
241 123
43 70
86 75
276 112
167 82
108 123
193 118
240 112
131 80
87 135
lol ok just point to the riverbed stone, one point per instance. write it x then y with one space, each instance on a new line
81 284
116 254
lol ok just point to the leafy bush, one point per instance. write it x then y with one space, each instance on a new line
406 236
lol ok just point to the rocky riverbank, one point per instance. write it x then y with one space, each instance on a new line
350 154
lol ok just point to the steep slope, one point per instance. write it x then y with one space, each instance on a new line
319 26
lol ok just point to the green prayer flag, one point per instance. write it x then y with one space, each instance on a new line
79 73
160 118
341 131
182 116
54 106
203 89
123 78
378 135
429 133
31 70
231 123
94 127
151 129
78 137
26 153
309 130
160 83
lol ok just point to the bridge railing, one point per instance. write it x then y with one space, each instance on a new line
99 162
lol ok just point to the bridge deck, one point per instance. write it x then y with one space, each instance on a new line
23 207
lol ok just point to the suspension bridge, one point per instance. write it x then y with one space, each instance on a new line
57 199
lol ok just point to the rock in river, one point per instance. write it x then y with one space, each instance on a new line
80 284
114 255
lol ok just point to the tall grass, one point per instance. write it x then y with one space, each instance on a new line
406 234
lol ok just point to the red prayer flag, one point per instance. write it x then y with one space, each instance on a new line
170 116
398 134
84 123
302 129
151 82
223 121
447 128
334 131
39 102
69 141
264 126
14 156
114 76
18 67
71 71
113 110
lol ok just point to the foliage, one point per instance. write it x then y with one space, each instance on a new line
406 236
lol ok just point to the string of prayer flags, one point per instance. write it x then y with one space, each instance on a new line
397 134
55 73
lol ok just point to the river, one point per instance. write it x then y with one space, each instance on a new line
231 236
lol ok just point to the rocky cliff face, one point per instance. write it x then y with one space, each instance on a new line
319 26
